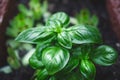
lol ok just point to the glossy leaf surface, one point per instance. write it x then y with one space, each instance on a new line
55 59
61 16
54 25
35 35
34 62
87 69
84 34
42 74
64 40
104 55
46 37
30 35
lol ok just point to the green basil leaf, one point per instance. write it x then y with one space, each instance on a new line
55 59
61 16
46 37
87 69
42 74
64 40
104 55
30 35
72 64
35 35
84 34
83 51
54 24
34 62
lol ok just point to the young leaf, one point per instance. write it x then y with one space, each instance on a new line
104 55
87 69
54 25
61 16
34 62
84 34
64 40
55 59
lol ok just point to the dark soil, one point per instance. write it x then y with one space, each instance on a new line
24 73
72 7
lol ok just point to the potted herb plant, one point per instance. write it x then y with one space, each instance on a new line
66 52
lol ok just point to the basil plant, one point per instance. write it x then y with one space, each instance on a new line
66 53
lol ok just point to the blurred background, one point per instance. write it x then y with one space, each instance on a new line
18 15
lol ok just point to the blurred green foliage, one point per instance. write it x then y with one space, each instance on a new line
85 17
13 58
27 17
